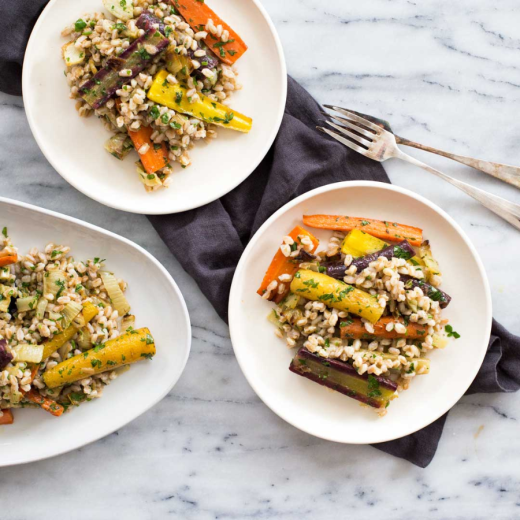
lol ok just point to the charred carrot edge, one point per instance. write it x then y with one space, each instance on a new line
7 417
45 403
283 265
197 14
378 228
154 159
355 329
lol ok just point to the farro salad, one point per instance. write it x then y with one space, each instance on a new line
364 312
159 74
65 330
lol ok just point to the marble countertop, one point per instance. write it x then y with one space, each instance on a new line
444 73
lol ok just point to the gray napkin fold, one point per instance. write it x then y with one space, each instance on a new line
209 241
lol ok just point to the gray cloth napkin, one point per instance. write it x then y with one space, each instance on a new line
212 238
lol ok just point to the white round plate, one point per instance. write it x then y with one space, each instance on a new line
265 359
157 304
74 145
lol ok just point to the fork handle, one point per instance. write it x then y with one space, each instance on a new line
509 211
504 172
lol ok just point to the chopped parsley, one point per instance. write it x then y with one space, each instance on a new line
311 283
451 333
399 252
79 25
4 232
373 387
436 295
154 112
142 52
61 285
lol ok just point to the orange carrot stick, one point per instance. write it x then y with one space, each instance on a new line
45 403
197 14
355 329
34 371
157 155
7 258
7 417
284 265
378 228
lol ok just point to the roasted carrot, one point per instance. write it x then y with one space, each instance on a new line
355 329
7 258
197 14
7 417
284 265
45 403
156 156
34 371
378 228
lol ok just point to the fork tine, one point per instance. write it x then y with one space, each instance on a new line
353 126
357 138
355 117
346 142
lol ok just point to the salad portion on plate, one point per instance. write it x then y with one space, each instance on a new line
364 311
159 75
65 329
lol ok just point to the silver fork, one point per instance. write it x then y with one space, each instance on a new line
378 144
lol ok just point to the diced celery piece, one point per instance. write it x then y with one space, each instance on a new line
290 301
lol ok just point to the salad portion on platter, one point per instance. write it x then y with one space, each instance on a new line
65 329
364 311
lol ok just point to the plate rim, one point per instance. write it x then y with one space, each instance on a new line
186 316
186 206
234 300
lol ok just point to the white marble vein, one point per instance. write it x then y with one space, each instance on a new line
444 73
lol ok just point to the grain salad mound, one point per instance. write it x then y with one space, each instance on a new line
65 329
364 312
113 59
